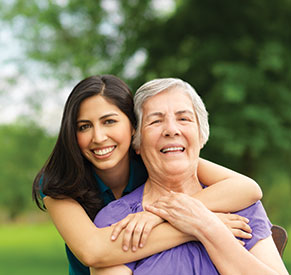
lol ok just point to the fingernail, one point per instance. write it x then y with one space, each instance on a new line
141 245
125 248
133 248
113 237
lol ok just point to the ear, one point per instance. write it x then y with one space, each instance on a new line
137 151
132 131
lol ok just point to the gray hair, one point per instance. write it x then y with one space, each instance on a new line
157 86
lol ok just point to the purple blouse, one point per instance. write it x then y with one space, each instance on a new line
185 259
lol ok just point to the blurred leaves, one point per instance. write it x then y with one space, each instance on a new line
235 53
24 148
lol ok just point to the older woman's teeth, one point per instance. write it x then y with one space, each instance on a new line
172 149
103 152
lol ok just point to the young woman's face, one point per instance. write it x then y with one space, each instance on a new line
104 133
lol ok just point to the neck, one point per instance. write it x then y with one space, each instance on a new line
116 178
155 188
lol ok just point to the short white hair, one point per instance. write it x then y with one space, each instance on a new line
156 86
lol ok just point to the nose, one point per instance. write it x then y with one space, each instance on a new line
99 135
171 128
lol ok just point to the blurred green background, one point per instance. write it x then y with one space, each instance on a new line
235 53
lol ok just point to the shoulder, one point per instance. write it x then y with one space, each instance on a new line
258 221
119 209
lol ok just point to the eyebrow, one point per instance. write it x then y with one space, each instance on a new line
185 112
102 117
160 114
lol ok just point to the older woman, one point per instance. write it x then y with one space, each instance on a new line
172 129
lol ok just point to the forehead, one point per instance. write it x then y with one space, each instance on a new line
173 99
96 106
96 102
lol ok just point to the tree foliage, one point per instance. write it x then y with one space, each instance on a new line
24 148
235 53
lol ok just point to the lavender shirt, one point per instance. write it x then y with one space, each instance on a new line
185 259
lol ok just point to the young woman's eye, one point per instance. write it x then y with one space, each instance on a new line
83 127
109 121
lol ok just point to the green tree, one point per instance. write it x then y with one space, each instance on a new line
23 150
235 53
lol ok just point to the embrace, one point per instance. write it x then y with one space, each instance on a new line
172 128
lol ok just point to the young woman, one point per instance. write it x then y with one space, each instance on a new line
92 164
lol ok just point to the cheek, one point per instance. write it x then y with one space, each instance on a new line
123 134
82 140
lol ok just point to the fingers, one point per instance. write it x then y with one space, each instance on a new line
140 235
118 227
146 232
241 234
241 242
129 231
239 222
238 218
137 228
155 209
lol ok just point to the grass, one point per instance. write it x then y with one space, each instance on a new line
27 249
31 249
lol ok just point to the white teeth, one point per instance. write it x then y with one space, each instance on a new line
171 149
103 152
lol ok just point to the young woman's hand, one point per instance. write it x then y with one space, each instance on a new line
238 225
137 228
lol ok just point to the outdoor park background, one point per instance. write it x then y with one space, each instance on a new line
235 53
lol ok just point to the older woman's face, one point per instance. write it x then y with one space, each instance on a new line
169 133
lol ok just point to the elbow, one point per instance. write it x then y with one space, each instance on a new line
90 261
257 191
92 257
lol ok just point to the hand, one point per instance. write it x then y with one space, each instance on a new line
137 228
185 213
238 225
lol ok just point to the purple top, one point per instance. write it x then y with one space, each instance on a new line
188 258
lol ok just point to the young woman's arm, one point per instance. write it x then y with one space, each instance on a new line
111 270
92 245
227 191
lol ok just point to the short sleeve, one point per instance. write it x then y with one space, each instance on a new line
112 213
259 223
42 195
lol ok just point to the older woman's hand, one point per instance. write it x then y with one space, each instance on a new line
186 213
137 227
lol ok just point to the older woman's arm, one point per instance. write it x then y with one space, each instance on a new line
231 258
227 191
192 217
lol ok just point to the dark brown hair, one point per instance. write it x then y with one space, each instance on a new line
67 173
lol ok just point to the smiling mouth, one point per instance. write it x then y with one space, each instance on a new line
103 152
172 149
